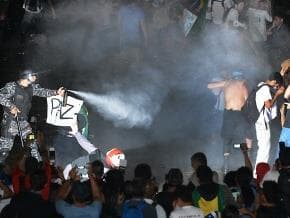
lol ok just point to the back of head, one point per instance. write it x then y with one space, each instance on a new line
238 75
230 179
31 165
97 168
174 177
38 180
183 193
271 192
277 77
142 171
81 192
199 158
138 186
244 176
230 211
114 178
204 174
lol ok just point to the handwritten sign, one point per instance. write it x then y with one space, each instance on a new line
188 21
59 115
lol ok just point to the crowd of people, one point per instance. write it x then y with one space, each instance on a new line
37 187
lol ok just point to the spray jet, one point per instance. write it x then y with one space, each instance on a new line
134 110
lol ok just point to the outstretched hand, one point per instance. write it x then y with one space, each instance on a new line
60 91
74 128
14 111
244 147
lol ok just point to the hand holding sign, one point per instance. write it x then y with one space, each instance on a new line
60 115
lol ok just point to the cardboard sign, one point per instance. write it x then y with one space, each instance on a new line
62 116
188 21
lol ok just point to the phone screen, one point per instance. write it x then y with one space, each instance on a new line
237 145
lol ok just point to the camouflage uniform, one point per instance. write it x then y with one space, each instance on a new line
11 95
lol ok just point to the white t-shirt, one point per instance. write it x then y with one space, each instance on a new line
233 19
187 211
262 95
257 24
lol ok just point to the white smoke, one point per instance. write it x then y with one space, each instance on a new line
131 110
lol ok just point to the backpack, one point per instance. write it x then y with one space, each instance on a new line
210 208
133 209
250 110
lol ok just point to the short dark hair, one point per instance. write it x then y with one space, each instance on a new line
114 178
184 193
279 13
199 157
138 186
277 77
81 192
174 177
98 168
204 174
143 171
230 179
244 176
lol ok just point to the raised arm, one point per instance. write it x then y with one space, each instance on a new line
83 142
96 191
42 92
217 85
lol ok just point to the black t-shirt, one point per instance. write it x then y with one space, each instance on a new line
165 199
28 204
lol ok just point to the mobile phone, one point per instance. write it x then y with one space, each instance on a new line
237 145
51 155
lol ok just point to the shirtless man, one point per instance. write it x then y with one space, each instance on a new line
235 129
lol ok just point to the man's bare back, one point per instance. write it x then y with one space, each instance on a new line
236 93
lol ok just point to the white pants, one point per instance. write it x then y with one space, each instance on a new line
264 143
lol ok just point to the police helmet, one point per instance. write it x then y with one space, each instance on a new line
27 74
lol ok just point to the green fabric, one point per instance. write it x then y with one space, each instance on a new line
221 198
85 130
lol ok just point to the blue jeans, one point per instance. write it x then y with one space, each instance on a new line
284 137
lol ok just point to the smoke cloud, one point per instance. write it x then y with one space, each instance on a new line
163 100
134 110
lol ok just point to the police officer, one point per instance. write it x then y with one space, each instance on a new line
16 98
